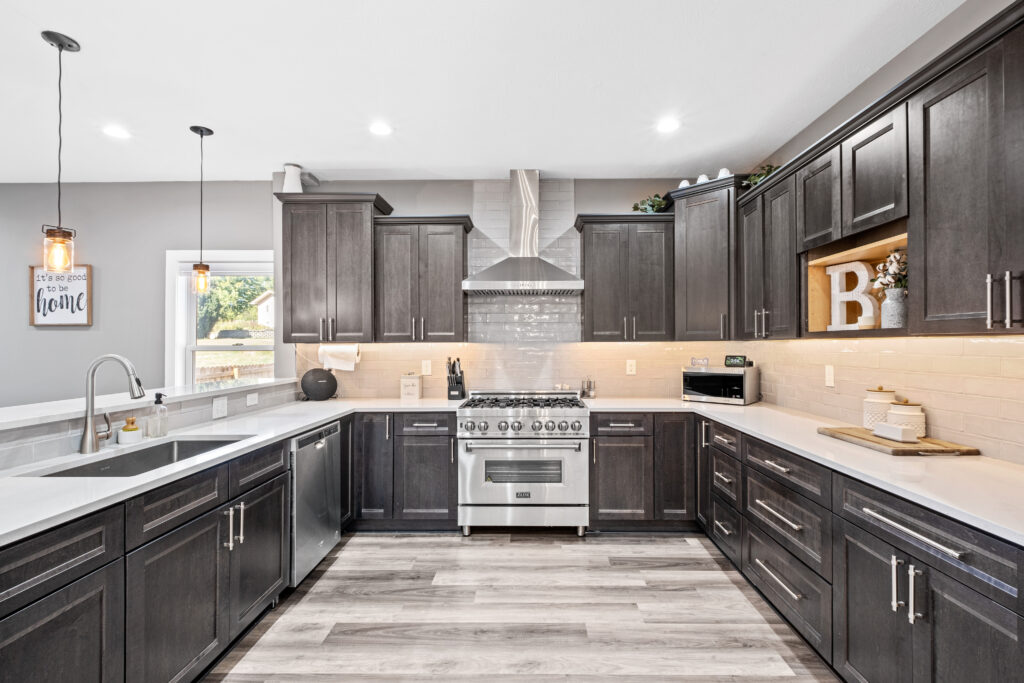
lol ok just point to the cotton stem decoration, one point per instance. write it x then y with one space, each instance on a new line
892 273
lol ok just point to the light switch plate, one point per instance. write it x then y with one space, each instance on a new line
425 367
630 367
830 375
220 407
252 399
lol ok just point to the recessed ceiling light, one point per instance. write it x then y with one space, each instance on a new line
668 124
115 131
380 128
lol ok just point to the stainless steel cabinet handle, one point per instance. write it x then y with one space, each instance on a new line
1009 300
778 515
451 449
241 523
988 301
896 603
625 334
413 328
634 328
621 424
722 440
703 434
323 325
755 323
387 427
721 325
230 512
776 466
423 329
593 449
424 424
912 615
721 527
764 323
330 329
724 478
789 591
945 550
578 446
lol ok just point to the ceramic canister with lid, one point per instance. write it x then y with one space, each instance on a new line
907 414
876 405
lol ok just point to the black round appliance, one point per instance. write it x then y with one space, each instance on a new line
319 384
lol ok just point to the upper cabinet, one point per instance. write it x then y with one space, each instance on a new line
327 266
420 263
818 201
874 169
627 273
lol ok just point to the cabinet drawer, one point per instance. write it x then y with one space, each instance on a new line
622 424
988 565
725 527
726 477
802 527
254 468
726 438
158 511
803 597
407 424
800 474
40 565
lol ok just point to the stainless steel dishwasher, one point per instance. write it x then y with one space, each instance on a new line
316 498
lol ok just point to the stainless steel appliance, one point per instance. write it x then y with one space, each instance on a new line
316 498
739 386
523 460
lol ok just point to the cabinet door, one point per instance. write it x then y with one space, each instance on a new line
780 319
375 463
674 485
870 635
651 300
74 634
750 298
425 477
874 165
348 482
818 202
606 282
703 471
259 560
622 478
702 270
350 272
177 597
955 131
1007 235
441 299
961 635
304 271
396 291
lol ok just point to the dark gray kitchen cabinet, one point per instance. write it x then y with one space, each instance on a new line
374 433
674 465
703 471
74 634
348 472
818 201
420 265
628 279
327 266
874 170
621 478
750 295
426 478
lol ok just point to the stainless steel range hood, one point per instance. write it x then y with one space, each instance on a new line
524 271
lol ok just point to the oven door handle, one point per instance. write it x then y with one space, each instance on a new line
578 446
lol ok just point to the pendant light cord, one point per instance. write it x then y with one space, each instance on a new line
60 127
201 198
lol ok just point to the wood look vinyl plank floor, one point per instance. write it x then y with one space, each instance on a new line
522 607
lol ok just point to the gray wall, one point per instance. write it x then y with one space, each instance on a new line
124 230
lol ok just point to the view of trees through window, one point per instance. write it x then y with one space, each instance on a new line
234 328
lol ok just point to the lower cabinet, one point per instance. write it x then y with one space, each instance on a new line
74 634
725 528
703 472
674 463
348 481
374 433
426 478
622 478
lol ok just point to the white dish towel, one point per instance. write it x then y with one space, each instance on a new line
339 356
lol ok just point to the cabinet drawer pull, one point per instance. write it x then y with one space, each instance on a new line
778 515
945 550
721 527
912 615
988 301
634 323
625 334
330 329
241 523
756 313
387 427
230 512
423 329
789 591
725 479
1008 322
764 323
896 602
451 450
776 466
625 425
703 434
721 330
323 325
724 441
424 424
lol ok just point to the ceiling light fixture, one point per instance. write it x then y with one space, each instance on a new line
58 241
668 124
200 271
115 131
380 128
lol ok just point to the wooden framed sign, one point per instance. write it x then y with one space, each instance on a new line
60 298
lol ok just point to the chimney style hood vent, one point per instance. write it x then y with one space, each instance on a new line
523 272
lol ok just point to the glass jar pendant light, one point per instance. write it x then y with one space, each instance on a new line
200 271
59 241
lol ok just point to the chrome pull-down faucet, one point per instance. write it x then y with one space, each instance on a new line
91 436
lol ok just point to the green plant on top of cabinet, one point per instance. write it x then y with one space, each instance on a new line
327 266
420 265
627 272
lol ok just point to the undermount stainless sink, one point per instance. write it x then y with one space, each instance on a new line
144 460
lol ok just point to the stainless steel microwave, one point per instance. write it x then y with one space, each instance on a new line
738 386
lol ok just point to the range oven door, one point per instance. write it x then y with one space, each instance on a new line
523 472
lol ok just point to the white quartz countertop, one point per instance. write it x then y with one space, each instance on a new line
980 491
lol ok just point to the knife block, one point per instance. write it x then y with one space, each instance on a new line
457 391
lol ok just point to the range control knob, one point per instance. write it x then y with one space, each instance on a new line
537 426
483 426
577 426
549 425
470 425
503 426
516 426
563 426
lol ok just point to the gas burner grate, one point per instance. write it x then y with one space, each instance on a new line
519 402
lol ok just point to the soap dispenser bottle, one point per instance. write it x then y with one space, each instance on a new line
157 425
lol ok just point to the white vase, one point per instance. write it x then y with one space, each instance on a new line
876 406
292 178
894 308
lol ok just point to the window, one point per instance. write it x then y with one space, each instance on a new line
227 332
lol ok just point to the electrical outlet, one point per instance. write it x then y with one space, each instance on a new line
252 399
630 367
830 376
220 407
425 367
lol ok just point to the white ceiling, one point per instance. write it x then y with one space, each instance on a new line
472 87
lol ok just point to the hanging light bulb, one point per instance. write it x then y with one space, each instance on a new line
58 241
200 271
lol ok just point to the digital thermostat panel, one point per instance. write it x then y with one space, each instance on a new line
735 361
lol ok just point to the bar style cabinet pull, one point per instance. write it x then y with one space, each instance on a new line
789 591
776 466
451 449
721 325
721 527
703 433
424 424
1009 300
423 329
625 334
629 425
634 322
724 441
945 550
330 329
241 523
414 328
988 301
912 614
230 512
779 516
725 479
895 602
593 449
387 427
323 326
764 323
756 312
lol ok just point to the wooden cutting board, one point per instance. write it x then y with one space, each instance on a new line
925 446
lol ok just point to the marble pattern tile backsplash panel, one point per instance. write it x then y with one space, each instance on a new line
972 388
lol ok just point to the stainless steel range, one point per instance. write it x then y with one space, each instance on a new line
523 460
